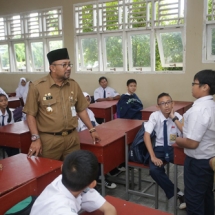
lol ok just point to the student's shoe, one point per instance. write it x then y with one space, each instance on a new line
108 184
122 169
182 203
114 172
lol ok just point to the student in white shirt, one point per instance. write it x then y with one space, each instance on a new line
160 121
199 145
73 190
6 117
22 89
105 93
81 125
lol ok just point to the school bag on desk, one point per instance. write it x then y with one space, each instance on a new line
17 114
138 152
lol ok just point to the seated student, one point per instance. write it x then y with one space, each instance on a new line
199 145
105 93
73 190
3 92
167 127
82 127
6 117
129 105
22 89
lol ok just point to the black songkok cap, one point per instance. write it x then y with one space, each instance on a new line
58 54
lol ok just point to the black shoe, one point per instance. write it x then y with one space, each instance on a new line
182 204
114 172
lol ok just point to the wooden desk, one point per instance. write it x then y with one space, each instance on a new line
180 106
104 110
128 208
19 170
14 102
179 158
109 151
16 135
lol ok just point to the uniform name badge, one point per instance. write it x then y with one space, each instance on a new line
73 111
172 137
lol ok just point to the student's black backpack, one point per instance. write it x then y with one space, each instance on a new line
138 152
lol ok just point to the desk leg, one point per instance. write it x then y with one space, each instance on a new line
102 180
127 169
111 113
175 187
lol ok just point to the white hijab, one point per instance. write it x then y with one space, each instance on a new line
22 91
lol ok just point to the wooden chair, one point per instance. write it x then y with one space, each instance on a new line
130 166
11 198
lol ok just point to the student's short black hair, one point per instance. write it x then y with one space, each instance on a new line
131 81
80 168
206 76
101 78
162 95
7 109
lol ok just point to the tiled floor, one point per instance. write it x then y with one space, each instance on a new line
164 205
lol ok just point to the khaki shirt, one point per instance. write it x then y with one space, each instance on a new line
45 93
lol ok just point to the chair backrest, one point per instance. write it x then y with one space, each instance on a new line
18 194
17 114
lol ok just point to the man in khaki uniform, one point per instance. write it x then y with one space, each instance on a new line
51 108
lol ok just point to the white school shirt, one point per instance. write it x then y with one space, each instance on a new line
156 122
6 118
3 92
81 125
57 200
199 125
99 93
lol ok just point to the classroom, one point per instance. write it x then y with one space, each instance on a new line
118 39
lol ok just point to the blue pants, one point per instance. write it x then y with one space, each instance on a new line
158 173
198 181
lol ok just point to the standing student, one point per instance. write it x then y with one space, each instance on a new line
73 190
22 89
129 105
167 127
6 117
52 106
199 145
104 92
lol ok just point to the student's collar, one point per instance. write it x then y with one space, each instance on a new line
204 98
162 118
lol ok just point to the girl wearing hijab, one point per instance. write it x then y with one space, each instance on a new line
22 89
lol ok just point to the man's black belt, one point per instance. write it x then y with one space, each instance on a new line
63 133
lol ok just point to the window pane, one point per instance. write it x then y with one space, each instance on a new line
89 52
213 41
4 56
172 47
20 56
141 50
57 44
37 54
114 51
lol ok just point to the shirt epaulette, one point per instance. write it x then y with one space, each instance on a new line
39 81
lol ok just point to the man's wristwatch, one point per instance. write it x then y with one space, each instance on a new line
34 137
175 118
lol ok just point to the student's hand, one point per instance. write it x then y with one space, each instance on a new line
172 114
109 98
95 137
157 162
35 148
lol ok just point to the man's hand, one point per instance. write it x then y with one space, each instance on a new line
95 137
35 148
157 162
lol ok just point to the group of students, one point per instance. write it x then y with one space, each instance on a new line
194 131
